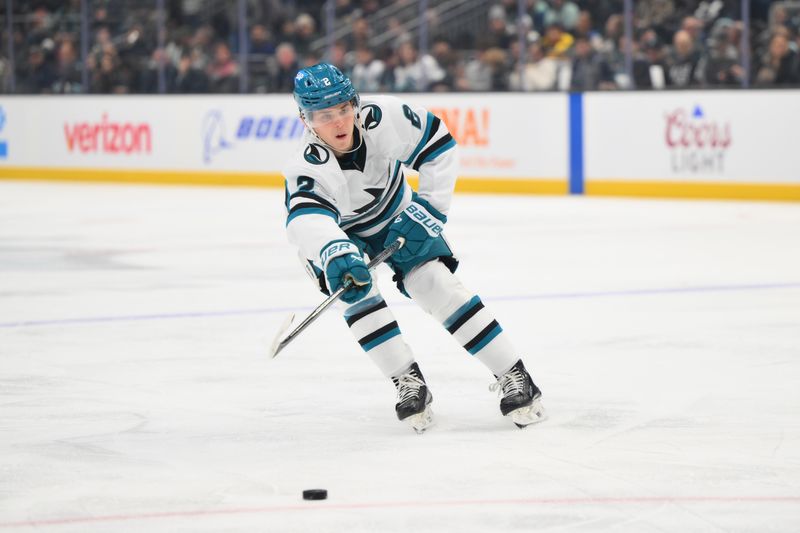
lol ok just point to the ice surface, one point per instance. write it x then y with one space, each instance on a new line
136 393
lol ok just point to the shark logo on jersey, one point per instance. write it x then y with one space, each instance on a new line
376 196
316 154
372 116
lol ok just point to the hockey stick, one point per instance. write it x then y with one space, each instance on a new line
282 338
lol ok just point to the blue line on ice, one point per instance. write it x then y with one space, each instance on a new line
296 309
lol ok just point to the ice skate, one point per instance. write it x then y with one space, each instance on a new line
521 398
413 399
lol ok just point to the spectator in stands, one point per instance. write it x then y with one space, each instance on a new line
105 74
589 71
693 26
68 76
565 13
261 41
682 61
779 66
361 34
498 35
150 78
613 62
484 72
585 30
304 33
656 14
38 73
189 79
102 43
283 69
649 65
538 74
442 51
223 71
339 57
414 72
614 29
779 22
368 71
719 64
41 26
556 42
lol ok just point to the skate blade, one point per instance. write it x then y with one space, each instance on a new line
421 421
529 415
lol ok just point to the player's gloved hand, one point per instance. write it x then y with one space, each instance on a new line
420 224
342 260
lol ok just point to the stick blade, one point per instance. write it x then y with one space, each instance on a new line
280 337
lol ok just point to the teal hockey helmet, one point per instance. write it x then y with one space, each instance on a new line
322 85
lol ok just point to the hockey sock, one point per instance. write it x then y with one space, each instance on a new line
440 293
375 328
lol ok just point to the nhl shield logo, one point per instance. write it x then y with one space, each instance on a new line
372 116
316 154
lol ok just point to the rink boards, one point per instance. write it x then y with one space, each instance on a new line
693 144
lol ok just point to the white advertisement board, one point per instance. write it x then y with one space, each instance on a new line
692 136
150 132
502 136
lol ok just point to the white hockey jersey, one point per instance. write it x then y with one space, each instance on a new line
363 191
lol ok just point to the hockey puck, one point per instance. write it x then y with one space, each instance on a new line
315 494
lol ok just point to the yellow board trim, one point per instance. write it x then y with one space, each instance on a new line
482 185
703 190
506 186
255 179
169 177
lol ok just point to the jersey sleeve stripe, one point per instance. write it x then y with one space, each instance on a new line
310 209
430 153
315 198
431 128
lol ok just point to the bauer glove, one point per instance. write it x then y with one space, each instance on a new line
420 224
342 260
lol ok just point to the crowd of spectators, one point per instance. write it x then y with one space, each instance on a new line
555 45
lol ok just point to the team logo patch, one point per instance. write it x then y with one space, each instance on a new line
316 154
372 116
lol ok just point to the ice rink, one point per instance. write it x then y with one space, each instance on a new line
136 393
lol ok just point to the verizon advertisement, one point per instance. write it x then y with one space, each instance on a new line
77 132
108 136
692 136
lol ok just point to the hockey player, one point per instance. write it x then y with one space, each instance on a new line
347 197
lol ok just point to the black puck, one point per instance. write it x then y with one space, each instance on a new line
315 494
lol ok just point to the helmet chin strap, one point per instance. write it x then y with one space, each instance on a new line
359 126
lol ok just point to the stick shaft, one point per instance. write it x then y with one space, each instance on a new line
377 260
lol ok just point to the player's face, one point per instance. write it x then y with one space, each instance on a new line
334 125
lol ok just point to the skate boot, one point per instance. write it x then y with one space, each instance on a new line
413 399
521 398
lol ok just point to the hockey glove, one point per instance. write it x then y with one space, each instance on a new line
420 224
342 260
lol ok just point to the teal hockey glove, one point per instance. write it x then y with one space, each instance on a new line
342 260
420 225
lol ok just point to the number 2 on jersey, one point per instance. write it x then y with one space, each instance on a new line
304 183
